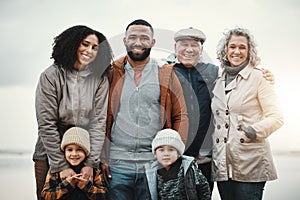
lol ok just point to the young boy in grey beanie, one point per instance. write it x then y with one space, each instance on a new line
174 175
76 146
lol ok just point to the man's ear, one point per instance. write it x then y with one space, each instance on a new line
153 42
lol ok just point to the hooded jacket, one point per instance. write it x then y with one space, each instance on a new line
193 191
65 99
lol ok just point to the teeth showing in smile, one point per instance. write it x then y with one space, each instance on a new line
188 56
236 58
86 57
137 50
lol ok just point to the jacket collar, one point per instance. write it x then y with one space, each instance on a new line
119 63
186 161
244 73
82 73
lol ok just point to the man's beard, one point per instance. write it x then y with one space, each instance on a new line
138 57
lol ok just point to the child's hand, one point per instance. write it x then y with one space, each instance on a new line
81 182
73 180
66 173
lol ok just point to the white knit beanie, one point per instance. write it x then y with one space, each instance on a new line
78 136
168 137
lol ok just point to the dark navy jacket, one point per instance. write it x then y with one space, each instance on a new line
197 84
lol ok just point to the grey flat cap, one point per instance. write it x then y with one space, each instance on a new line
190 33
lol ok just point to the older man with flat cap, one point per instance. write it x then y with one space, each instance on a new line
197 79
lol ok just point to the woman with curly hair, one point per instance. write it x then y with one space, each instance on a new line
72 92
246 112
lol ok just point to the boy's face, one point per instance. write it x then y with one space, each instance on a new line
74 154
166 155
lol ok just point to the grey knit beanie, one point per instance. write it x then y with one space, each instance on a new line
168 137
78 136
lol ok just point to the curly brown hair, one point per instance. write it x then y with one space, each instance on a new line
66 44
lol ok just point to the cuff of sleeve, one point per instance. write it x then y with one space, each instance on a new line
250 132
93 164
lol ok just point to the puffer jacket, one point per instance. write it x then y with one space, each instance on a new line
173 110
250 101
65 99
193 191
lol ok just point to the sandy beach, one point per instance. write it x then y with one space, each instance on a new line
18 183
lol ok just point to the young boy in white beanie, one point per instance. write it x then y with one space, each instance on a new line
174 176
76 146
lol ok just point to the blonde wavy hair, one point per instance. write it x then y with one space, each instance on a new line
254 60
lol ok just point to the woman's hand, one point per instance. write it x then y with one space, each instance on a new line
87 173
106 173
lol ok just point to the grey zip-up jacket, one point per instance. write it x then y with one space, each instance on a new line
65 99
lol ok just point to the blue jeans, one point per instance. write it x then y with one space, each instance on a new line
235 190
128 180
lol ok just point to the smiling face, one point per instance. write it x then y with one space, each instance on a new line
74 154
138 41
166 155
237 50
87 51
188 52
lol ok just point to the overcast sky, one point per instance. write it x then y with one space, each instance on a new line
29 26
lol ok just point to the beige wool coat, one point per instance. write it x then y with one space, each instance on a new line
250 102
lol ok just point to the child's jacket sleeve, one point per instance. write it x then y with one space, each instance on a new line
54 188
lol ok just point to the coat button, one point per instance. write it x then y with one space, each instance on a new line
239 128
217 112
217 140
225 140
242 140
227 112
218 126
226 125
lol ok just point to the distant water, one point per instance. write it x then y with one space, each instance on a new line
15 161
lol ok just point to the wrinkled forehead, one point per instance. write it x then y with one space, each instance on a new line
189 41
